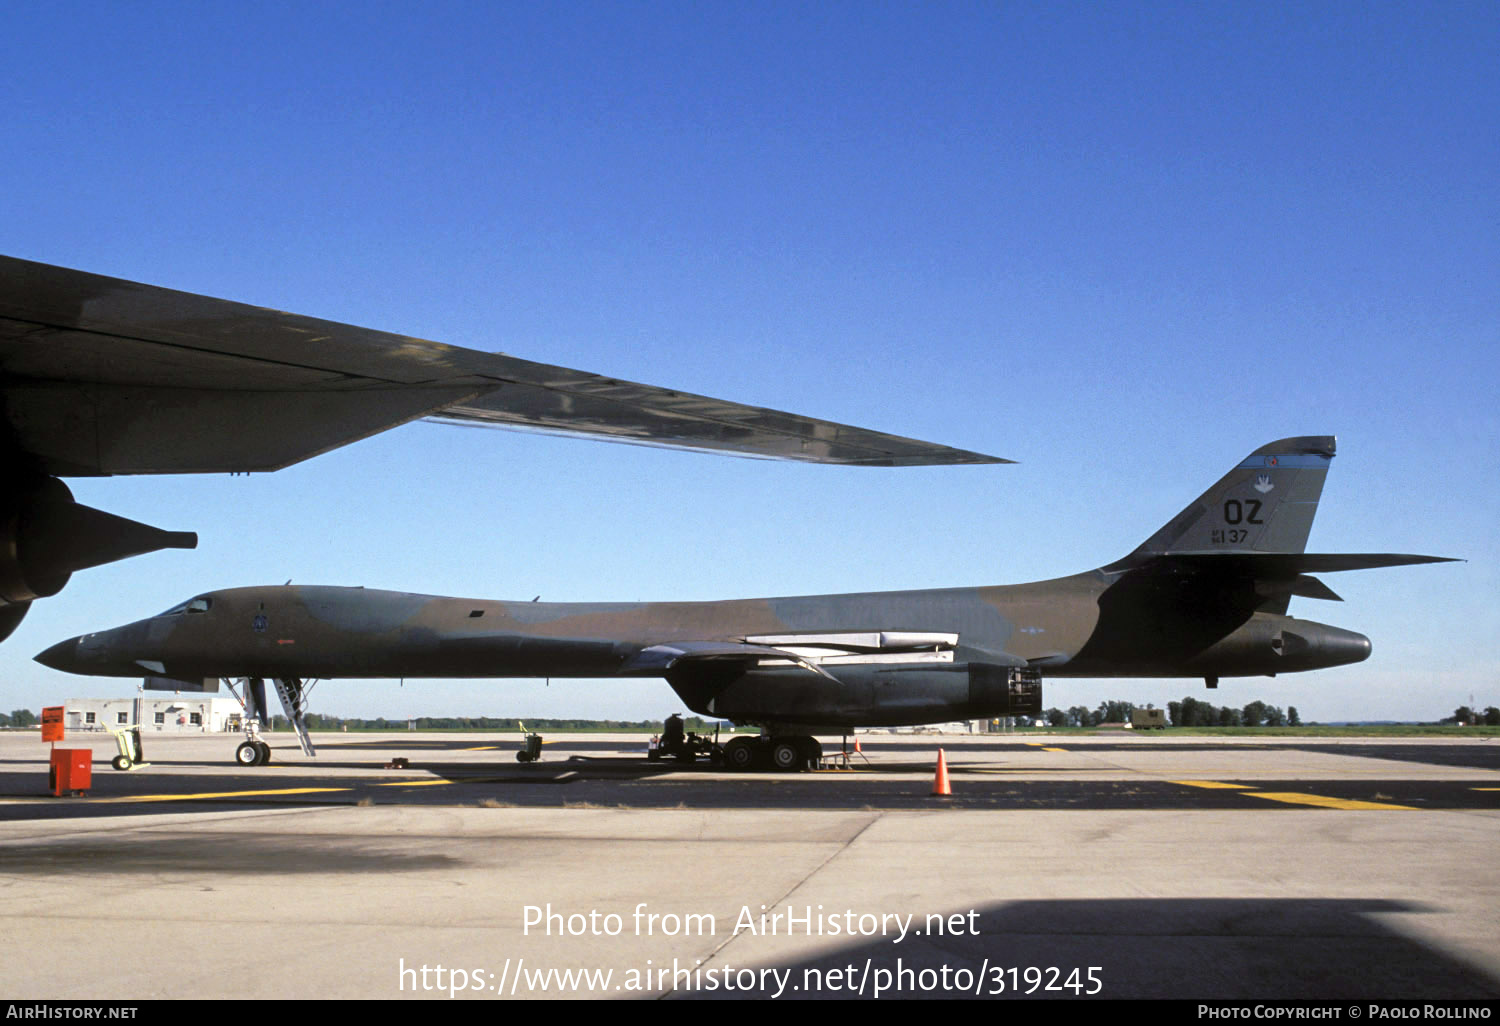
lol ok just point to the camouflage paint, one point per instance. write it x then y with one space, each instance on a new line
1205 596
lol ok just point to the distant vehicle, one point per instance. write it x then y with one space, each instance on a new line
689 748
1148 719
1205 596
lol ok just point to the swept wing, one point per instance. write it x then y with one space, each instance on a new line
104 376
100 376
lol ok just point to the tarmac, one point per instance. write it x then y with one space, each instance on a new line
1062 867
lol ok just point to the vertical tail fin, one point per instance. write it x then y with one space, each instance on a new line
1265 504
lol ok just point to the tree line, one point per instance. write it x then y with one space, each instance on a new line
1190 712
1463 714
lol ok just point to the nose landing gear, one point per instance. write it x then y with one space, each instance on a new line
293 692
254 752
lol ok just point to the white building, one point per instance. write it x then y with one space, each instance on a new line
169 714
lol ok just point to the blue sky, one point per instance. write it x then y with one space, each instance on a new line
1123 244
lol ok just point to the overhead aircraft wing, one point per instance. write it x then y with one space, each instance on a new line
104 376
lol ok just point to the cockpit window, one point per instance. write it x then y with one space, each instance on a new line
197 605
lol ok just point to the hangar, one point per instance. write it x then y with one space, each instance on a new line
166 714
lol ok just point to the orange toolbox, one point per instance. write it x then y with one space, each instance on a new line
72 770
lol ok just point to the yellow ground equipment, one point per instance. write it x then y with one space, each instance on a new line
131 754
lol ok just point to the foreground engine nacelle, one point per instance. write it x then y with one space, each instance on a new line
864 696
45 536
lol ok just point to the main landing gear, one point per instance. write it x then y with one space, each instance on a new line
781 753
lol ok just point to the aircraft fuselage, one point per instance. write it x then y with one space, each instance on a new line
1061 627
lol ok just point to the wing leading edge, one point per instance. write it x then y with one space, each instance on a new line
105 376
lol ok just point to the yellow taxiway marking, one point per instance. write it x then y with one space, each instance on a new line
1210 783
1484 789
217 794
416 783
1045 749
1293 798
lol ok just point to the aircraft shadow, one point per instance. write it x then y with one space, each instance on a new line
211 853
1186 948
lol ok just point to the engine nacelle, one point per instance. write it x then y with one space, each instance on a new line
29 568
45 536
1270 644
868 695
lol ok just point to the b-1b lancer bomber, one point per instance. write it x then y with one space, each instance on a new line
1205 596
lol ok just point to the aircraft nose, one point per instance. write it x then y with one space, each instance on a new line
61 656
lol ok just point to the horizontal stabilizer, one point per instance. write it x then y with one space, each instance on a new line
1274 577
1282 565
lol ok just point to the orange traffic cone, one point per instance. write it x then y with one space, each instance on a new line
940 784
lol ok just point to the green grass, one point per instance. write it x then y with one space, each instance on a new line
1306 730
